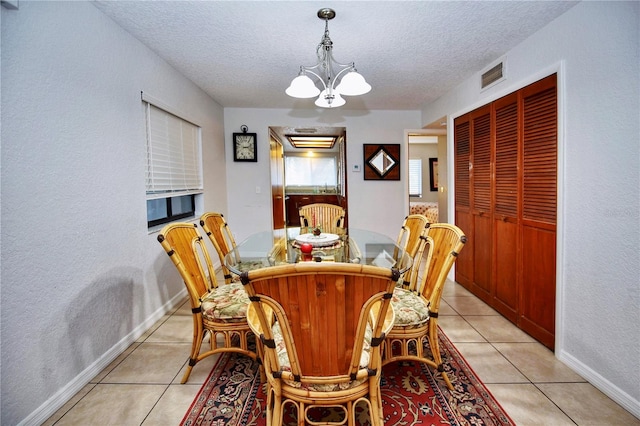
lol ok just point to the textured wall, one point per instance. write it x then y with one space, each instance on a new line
595 48
81 276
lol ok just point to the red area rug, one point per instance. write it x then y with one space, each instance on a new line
412 394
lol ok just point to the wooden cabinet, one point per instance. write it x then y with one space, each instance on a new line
505 198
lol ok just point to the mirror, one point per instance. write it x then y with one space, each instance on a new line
382 162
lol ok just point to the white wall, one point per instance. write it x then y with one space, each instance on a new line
81 276
376 205
595 47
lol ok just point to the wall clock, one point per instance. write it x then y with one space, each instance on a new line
245 146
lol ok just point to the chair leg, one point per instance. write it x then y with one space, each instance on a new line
198 335
375 405
435 351
275 409
270 406
260 358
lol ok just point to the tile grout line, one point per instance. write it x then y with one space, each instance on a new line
530 381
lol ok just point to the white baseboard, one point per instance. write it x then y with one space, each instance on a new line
605 386
53 404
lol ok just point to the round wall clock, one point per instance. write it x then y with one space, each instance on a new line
245 147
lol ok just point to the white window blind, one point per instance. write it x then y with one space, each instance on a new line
415 177
174 164
311 171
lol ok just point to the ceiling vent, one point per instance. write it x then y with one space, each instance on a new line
493 75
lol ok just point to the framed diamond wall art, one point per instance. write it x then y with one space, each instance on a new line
381 161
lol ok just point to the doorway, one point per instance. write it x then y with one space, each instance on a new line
308 165
427 155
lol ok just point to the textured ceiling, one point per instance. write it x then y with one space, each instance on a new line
245 53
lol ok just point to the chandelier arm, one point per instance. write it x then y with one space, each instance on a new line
314 67
348 64
309 70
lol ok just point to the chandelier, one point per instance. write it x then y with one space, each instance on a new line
328 71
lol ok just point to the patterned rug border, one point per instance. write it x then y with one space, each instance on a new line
228 391
504 419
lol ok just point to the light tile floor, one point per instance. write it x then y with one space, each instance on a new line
142 386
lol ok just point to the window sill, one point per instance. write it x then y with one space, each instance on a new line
156 229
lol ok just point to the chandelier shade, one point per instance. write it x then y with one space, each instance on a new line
353 84
328 72
330 101
302 87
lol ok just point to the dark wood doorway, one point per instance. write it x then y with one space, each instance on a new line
277 181
286 201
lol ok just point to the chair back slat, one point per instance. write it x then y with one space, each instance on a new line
420 265
324 308
329 217
220 235
413 227
448 241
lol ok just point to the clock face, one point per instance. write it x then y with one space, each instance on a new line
244 147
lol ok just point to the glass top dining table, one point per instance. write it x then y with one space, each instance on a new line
276 247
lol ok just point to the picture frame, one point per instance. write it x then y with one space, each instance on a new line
433 174
381 161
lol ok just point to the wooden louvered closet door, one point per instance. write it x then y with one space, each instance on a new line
506 202
506 191
539 194
481 198
462 151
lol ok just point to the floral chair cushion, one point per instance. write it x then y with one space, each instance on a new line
228 302
411 309
246 267
285 364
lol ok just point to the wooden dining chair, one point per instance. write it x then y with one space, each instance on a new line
321 326
413 228
217 310
328 217
220 235
417 307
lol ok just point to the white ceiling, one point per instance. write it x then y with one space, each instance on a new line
245 53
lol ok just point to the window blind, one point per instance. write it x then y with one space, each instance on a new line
415 177
310 171
174 165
